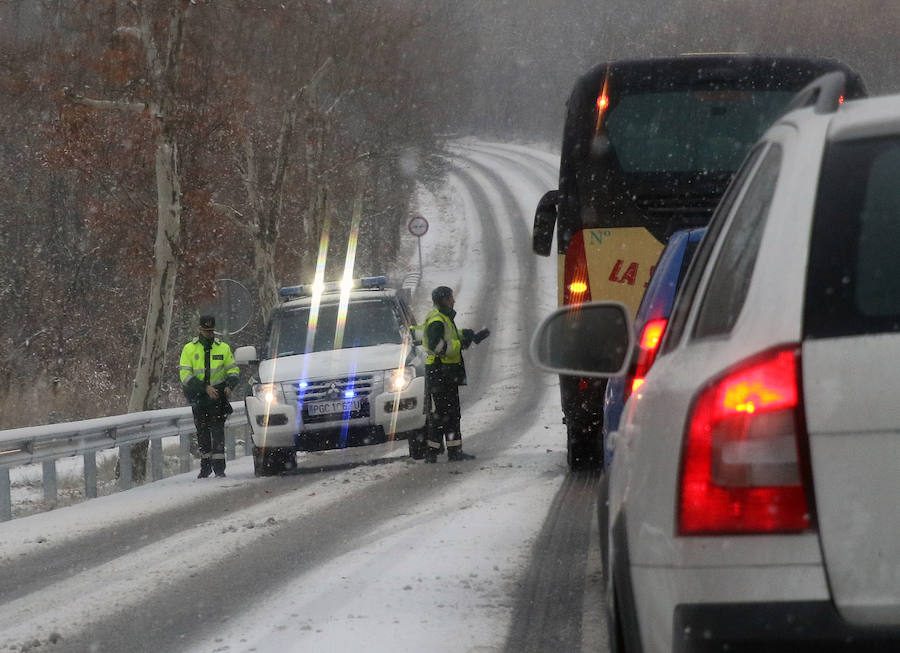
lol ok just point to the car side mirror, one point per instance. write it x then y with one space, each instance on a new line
246 356
592 339
544 220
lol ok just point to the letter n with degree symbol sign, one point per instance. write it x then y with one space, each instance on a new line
418 227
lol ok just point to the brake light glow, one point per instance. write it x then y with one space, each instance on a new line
651 335
576 288
602 104
741 468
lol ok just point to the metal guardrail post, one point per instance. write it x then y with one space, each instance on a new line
49 482
5 496
229 443
156 459
90 475
184 456
125 467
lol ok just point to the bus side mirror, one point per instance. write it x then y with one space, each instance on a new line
544 221
591 339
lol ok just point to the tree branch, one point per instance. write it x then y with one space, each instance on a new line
118 105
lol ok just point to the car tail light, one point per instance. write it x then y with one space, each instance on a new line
576 288
648 345
741 467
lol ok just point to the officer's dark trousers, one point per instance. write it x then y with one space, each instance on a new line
210 423
444 423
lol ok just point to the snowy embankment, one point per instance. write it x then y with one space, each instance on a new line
440 577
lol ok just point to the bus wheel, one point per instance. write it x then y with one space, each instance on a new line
581 448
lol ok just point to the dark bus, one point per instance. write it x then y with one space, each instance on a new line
648 148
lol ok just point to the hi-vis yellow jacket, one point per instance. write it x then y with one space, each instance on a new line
200 367
449 348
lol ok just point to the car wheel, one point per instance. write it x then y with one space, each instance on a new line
268 462
417 444
617 643
603 524
288 459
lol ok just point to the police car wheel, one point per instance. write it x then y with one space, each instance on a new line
417 444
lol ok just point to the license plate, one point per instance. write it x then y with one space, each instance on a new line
332 407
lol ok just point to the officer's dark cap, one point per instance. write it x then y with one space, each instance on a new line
441 293
207 322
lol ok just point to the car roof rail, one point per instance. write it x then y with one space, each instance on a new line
825 93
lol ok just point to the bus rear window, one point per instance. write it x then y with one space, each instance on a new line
689 130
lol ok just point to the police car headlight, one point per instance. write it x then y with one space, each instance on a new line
266 392
398 380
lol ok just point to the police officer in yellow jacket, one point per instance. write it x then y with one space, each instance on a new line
208 377
445 372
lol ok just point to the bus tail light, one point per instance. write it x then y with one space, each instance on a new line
576 288
742 470
648 346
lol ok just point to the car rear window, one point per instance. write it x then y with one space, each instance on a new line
853 285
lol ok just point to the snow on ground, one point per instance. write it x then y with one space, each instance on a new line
444 586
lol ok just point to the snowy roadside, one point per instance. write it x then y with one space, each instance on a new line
439 578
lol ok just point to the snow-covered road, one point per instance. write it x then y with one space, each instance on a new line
390 556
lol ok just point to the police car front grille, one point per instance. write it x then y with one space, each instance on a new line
325 389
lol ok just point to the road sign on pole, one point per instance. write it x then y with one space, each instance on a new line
418 227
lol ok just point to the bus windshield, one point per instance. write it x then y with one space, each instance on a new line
689 130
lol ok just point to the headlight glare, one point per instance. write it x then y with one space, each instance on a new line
399 379
267 392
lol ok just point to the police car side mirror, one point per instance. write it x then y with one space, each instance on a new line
246 356
593 339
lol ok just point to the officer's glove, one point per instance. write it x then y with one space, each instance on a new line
481 335
467 337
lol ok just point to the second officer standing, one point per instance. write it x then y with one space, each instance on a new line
445 372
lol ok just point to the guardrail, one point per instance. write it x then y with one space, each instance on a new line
48 443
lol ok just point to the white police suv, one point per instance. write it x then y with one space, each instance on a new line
339 369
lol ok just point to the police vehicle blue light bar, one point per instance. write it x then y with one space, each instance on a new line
306 290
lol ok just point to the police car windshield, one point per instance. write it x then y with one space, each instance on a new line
367 323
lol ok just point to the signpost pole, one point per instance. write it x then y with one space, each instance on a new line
419 240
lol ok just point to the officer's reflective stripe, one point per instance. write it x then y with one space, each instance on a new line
206 456
434 445
218 456
233 369
185 380
454 443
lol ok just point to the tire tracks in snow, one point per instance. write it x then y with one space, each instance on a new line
549 612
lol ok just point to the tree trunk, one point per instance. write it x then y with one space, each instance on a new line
151 365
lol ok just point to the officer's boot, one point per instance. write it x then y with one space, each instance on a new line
454 448
205 468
